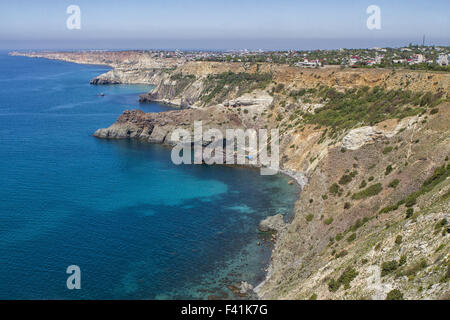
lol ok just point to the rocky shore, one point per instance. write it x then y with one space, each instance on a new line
375 194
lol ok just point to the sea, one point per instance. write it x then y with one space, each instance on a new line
136 225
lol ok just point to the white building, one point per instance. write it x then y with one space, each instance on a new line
309 63
417 58
442 60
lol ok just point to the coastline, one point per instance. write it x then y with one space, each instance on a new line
334 169
296 177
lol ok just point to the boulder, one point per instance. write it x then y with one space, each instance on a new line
272 223
245 288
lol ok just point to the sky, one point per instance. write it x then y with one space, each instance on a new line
221 24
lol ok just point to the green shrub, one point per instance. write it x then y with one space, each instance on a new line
398 239
390 208
347 205
446 277
333 285
411 200
389 169
339 237
371 178
388 267
368 192
357 225
363 184
434 111
328 221
335 189
345 279
441 224
351 237
387 150
345 179
394 183
394 295
313 297
402 260
309 217
409 213
347 276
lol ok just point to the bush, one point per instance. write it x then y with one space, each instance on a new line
335 189
345 179
351 237
387 150
363 184
441 224
309 217
313 297
434 111
411 200
402 260
398 239
345 279
368 192
357 224
328 221
394 295
409 213
333 285
394 183
347 276
390 208
389 169
388 267
347 205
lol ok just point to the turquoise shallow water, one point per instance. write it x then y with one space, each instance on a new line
138 226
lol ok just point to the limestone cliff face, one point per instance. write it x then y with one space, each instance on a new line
334 230
187 94
351 221
158 127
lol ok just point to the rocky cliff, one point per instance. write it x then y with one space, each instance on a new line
373 146
371 223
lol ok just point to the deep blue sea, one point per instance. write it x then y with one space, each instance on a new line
138 226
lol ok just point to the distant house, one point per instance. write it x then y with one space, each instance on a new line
353 60
309 63
417 58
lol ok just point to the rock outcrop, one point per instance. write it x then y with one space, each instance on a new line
273 223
